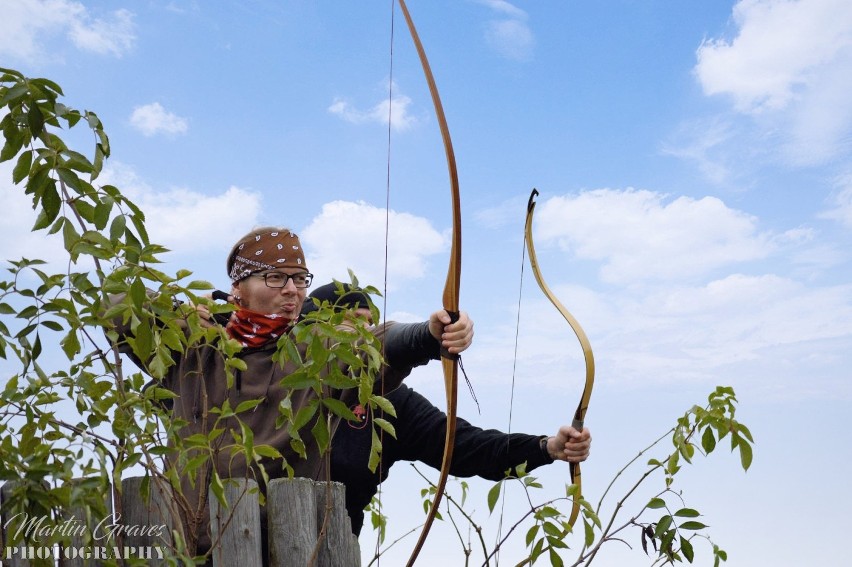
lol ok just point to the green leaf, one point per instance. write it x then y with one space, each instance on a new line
662 526
22 167
35 120
69 236
50 203
69 178
102 211
656 503
745 454
16 92
70 344
47 84
589 530
200 284
248 405
321 434
138 293
744 431
52 325
195 440
672 464
493 496
116 229
218 489
708 440
338 408
268 452
551 529
555 560
143 342
386 426
686 549
304 415
693 525
299 381
384 404
687 513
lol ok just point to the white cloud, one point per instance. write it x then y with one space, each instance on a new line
502 214
352 235
151 119
790 64
639 236
702 142
512 39
198 228
505 8
397 110
781 47
28 25
678 334
699 330
509 35
106 37
186 221
842 202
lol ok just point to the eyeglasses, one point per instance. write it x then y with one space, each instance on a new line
280 279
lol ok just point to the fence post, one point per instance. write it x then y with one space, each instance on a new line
339 546
297 511
292 521
235 530
5 494
153 519
82 516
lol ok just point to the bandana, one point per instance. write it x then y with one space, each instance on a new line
253 329
265 249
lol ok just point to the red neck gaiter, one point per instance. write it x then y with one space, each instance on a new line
253 329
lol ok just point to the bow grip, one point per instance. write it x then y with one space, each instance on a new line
219 295
454 316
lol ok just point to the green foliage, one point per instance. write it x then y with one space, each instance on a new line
668 528
342 352
108 301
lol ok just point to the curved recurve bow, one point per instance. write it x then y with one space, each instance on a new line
451 288
580 414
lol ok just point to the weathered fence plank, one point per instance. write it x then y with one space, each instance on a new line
292 522
338 545
83 539
153 519
15 559
299 513
236 528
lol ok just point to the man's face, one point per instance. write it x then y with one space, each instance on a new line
254 294
364 313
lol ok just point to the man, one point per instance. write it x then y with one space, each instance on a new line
420 434
269 282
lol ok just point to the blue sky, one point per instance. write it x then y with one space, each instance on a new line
695 167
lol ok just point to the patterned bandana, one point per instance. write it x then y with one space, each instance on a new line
265 249
253 329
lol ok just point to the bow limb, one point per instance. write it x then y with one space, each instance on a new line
580 413
451 288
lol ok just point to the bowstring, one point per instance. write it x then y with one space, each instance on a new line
387 254
512 392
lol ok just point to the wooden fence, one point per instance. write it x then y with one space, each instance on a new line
306 521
